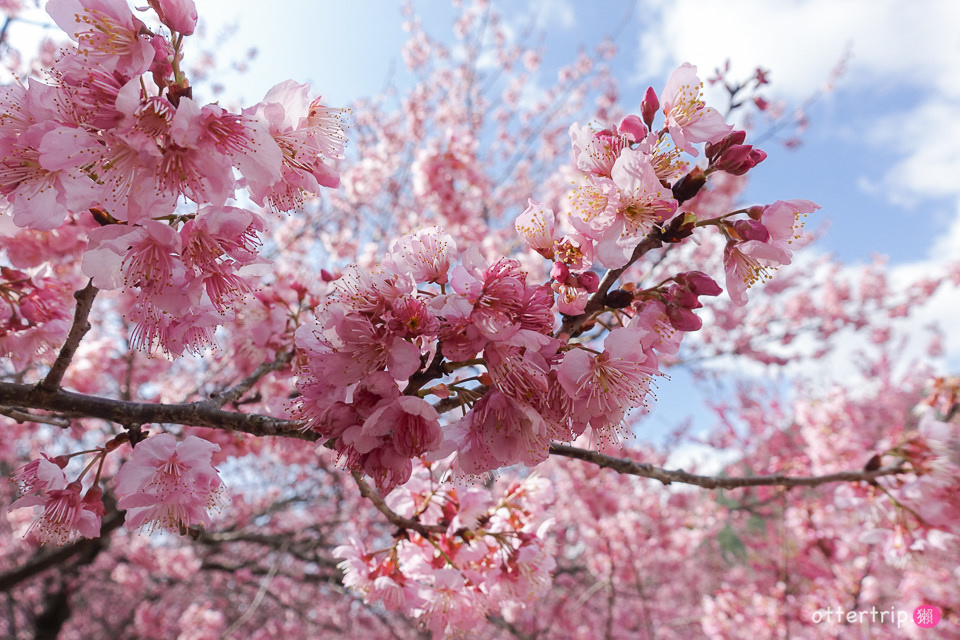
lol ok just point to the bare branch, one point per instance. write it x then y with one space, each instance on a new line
80 326
665 476
25 416
257 599
197 414
232 394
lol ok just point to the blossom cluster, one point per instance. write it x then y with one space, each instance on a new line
33 314
635 179
164 484
436 320
115 133
487 554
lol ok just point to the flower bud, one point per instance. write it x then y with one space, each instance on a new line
649 106
618 299
177 15
714 150
689 185
699 282
589 280
633 128
750 230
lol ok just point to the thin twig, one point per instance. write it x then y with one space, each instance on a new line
232 394
80 326
665 476
257 599
25 416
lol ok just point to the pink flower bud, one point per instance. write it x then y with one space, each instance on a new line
739 159
649 106
633 128
751 230
699 282
716 149
178 15
682 319
589 280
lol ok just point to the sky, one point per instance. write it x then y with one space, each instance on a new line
881 151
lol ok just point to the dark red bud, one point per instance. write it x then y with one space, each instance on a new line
679 228
689 185
618 299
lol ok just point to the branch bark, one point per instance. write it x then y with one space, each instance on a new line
207 414
79 328
197 414
665 476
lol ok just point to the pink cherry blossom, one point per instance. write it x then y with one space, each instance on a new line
535 225
106 28
62 513
169 485
178 15
687 118
310 139
425 254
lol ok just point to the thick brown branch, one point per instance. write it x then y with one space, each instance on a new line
80 326
665 476
197 414
395 519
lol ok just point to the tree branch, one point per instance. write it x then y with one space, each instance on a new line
56 557
207 414
79 328
395 519
232 394
644 470
197 414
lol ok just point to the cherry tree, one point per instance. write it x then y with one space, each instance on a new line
386 371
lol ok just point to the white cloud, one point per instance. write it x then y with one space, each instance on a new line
555 13
802 40
928 138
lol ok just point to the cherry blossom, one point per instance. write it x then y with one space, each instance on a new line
168 484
